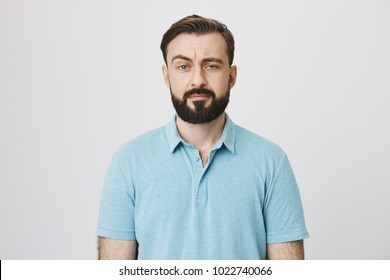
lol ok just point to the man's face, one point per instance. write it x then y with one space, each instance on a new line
198 76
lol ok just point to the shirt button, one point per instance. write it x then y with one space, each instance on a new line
196 158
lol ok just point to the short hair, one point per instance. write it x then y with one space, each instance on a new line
198 25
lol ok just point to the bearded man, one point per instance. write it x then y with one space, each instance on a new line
200 187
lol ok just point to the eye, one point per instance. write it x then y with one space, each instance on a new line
182 67
212 66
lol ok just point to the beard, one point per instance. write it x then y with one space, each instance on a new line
201 113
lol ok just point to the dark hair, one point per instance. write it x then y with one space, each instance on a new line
198 25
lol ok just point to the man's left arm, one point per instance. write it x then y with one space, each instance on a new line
286 251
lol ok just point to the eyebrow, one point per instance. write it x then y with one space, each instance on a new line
213 59
207 59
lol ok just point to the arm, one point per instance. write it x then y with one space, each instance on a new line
286 251
115 249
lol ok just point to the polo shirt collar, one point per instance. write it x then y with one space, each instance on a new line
172 134
228 136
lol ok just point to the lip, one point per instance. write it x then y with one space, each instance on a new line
199 97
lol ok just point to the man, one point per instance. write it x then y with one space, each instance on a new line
200 187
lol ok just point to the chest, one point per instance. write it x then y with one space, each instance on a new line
181 182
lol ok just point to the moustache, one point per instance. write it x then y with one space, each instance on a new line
203 91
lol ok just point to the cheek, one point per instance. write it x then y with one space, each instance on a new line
178 84
221 86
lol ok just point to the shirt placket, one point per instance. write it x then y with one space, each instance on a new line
199 172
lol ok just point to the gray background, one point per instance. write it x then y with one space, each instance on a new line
78 78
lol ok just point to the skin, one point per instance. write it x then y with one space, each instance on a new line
195 61
286 251
114 249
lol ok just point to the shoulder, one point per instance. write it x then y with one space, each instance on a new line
247 140
148 141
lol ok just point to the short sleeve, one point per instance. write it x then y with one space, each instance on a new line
283 211
116 217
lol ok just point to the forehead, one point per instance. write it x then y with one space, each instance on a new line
198 46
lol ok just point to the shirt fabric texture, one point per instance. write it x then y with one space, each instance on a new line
158 192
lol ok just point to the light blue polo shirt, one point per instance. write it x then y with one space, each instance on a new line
158 193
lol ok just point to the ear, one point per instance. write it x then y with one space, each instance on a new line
165 75
232 76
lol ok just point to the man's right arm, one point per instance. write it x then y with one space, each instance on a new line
115 249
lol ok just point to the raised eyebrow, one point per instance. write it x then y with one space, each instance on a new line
179 56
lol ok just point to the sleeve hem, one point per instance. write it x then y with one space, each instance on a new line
287 236
122 235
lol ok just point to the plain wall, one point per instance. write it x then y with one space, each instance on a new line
78 78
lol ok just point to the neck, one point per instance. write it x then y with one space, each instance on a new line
202 136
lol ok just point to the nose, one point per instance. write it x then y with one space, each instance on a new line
198 78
